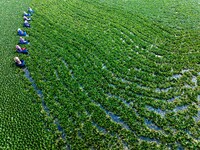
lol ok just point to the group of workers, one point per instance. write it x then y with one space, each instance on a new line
26 16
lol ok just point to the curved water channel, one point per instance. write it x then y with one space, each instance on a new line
39 92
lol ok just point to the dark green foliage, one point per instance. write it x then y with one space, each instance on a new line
120 61
118 74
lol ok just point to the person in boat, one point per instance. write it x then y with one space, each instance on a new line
26 14
21 32
26 24
26 18
21 50
23 41
19 63
30 10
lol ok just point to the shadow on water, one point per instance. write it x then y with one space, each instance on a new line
39 92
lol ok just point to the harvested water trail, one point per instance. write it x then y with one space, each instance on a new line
114 117
39 92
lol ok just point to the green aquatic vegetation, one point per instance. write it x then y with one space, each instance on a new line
104 67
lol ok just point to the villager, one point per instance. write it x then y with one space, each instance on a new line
26 18
21 32
30 10
26 14
19 63
23 41
26 24
21 50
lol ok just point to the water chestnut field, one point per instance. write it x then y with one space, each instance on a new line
102 74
